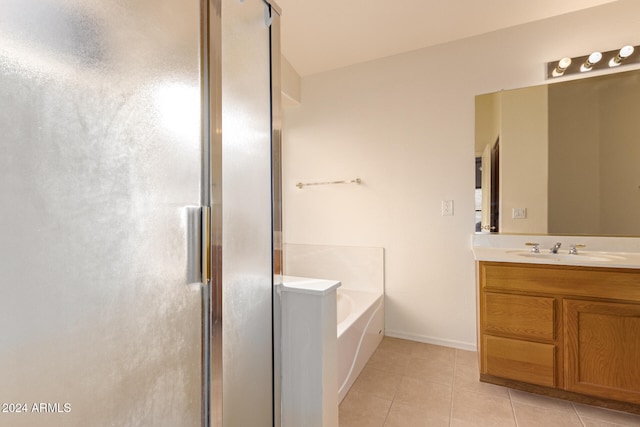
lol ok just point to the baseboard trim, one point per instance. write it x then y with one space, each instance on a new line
432 340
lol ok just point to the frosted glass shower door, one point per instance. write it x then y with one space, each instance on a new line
100 154
247 267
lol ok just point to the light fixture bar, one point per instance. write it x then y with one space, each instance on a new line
595 61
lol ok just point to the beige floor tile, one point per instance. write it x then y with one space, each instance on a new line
602 414
536 416
377 382
462 382
390 361
466 364
588 422
432 396
467 357
437 369
363 410
430 351
467 376
403 415
412 384
477 410
397 345
540 401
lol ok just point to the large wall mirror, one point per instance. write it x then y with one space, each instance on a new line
562 158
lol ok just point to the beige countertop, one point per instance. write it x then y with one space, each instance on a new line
599 251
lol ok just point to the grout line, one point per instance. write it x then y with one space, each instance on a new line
578 414
513 410
386 417
453 386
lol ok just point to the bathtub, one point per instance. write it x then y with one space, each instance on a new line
360 330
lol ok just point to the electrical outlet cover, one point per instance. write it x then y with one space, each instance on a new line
519 213
447 208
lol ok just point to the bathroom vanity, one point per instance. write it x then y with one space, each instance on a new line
560 326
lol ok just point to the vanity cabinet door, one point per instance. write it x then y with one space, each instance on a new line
602 349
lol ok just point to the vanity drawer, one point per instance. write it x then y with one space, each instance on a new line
521 316
519 360
561 280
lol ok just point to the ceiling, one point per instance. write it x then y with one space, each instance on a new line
323 35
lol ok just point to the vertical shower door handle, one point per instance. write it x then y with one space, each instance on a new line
198 229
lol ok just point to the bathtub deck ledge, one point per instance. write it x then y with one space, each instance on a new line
309 286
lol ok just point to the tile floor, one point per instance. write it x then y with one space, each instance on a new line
411 384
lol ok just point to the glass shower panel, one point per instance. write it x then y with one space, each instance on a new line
247 228
100 153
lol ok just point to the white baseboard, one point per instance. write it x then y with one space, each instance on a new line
432 340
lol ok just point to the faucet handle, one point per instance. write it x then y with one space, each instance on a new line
536 247
573 249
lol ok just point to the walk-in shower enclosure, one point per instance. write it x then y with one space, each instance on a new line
137 213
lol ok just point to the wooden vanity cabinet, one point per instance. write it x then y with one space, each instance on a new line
571 332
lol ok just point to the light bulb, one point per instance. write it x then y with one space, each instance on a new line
594 58
624 53
563 64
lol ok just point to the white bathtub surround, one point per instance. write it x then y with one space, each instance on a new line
309 352
360 299
358 268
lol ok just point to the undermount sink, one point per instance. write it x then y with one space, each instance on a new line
569 257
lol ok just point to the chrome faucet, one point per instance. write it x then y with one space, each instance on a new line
554 249
535 247
574 249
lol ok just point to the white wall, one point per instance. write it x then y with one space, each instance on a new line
290 82
405 126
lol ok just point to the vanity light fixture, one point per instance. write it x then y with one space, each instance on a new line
579 64
593 59
562 66
624 53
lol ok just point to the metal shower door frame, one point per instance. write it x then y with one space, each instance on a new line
212 133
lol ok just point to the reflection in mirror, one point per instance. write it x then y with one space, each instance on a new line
568 159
